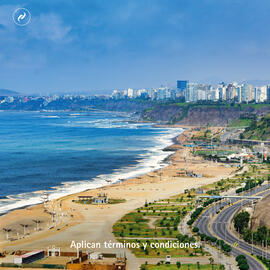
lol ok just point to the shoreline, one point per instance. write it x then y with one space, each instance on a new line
95 222
56 196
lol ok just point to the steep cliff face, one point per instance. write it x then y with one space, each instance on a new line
261 215
213 116
201 114
164 113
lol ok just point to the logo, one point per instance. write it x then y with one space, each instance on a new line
21 16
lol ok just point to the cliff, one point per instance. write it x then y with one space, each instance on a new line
261 215
198 114
258 130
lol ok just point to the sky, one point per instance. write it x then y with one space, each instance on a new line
99 45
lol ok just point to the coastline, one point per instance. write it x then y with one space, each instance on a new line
56 194
95 221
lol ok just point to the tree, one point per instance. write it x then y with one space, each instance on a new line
247 236
253 125
211 260
261 234
178 264
242 262
241 221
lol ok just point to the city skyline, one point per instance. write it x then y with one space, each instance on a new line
185 91
101 45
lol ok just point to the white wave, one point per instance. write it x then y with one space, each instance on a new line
152 160
49 116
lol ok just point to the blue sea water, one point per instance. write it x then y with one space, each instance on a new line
63 152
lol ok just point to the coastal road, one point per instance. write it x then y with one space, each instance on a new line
219 227
232 133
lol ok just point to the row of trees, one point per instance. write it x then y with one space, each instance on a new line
261 236
194 215
219 243
249 185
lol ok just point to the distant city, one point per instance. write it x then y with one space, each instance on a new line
184 91
193 92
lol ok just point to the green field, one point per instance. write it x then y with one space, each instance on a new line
240 123
219 153
164 217
142 229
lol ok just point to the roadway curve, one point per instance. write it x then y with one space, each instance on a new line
219 227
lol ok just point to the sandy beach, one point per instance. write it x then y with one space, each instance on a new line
94 222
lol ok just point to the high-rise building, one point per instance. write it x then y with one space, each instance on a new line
244 93
130 93
161 93
257 94
250 92
182 85
222 91
263 93
239 93
268 93
191 92
173 94
201 94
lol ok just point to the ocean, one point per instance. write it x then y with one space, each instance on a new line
62 153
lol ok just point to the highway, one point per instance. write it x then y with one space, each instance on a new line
219 227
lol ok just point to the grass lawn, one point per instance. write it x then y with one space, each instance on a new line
240 123
142 229
115 201
219 153
135 224
185 198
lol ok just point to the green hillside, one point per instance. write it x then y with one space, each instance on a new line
258 130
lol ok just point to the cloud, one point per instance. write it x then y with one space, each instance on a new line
49 26
6 20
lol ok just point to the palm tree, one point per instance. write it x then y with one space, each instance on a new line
7 231
198 265
24 227
37 221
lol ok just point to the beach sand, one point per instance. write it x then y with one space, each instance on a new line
94 222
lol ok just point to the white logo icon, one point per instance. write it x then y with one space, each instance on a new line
21 16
